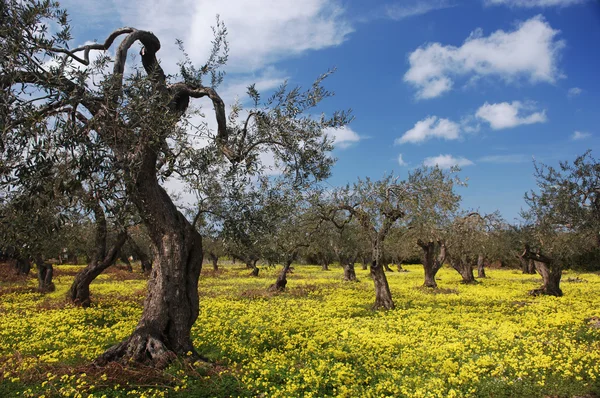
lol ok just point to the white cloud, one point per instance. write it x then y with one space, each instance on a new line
574 92
534 3
504 115
343 137
447 161
259 31
429 127
514 158
401 161
403 10
529 52
236 86
580 135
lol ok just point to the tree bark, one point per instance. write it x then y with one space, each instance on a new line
79 293
145 261
480 266
172 305
465 269
215 261
383 295
527 266
386 267
549 269
125 260
324 266
551 274
22 265
281 281
45 273
255 269
365 263
431 264
531 267
349 272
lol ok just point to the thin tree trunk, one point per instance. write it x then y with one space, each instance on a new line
324 266
215 261
399 266
281 281
79 293
172 305
125 260
145 261
480 266
365 263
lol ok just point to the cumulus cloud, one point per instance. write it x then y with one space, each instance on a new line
529 52
430 127
504 115
534 3
401 161
343 137
574 92
447 161
580 135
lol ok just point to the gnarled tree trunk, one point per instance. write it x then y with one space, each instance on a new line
349 272
172 305
383 295
527 266
79 293
480 266
551 273
549 269
431 264
281 281
45 273
465 269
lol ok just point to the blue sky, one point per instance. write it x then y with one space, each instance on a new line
486 84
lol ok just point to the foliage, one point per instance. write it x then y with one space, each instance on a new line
563 219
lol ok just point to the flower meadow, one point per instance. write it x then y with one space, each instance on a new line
319 338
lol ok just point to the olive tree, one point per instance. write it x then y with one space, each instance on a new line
432 214
140 119
379 205
563 219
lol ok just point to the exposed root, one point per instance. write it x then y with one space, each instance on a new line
141 348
